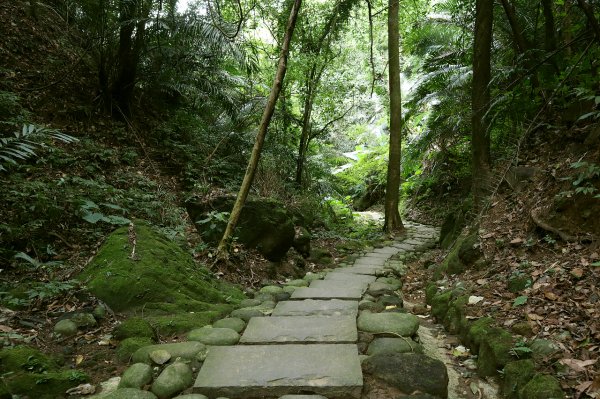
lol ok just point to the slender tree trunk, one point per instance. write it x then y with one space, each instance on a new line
549 27
393 222
588 10
306 115
480 139
123 87
223 249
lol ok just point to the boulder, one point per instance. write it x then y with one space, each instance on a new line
394 324
542 386
386 345
301 241
214 336
65 328
161 277
263 224
129 393
451 228
136 376
173 379
409 372
232 323
185 350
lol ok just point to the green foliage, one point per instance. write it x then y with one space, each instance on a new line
585 173
23 144
520 300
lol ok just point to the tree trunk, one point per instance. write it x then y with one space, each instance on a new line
306 115
223 249
393 223
549 28
588 10
480 139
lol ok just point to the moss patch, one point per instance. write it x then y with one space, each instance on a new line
494 351
162 278
477 332
134 327
440 304
542 386
516 375
128 346
27 371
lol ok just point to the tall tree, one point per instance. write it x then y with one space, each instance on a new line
480 135
393 222
223 248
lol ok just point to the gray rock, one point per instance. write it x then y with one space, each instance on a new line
313 276
83 319
410 372
327 293
394 324
65 328
247 313
99 312
393 345
160 356
271 289
214 336
297 283
173 379
233 323
136 376
544 348
391 300
370 305
191 396
130 393
379 288
302 397
289 289
264 296
247 303
312 307
184 350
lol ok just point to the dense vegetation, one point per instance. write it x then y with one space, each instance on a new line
115 110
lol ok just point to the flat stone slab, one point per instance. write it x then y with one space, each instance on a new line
302 397
370 261
315 307
361 285
327 293
301 329
246 371
376 255
350 277
384 251
369 270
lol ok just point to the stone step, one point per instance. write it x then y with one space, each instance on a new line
361 285
349 277
370 261
315 307
361 269
327 293
301 329
265 371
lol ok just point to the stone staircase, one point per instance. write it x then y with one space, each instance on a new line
308 346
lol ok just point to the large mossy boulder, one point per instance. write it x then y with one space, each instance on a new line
451 228
465 253
160 277
264 224
26 371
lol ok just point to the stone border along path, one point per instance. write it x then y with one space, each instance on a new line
310 345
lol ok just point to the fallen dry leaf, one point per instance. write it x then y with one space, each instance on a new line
551 295
578 365
78 359
577 272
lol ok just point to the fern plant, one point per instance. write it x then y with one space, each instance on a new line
23 144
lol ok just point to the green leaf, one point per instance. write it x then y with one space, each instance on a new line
27 258
520 300
596 264
93 217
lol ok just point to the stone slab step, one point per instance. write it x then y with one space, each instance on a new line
363 269
259 371
301 329
350 277
370 261
316 307
361 285
327 293
376 255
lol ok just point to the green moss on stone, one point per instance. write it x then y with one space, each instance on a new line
161 272
455 314
542 386
26 371
430 292
516 374
477 332
452 263
494 351
440 304
170 324
128 346
134 327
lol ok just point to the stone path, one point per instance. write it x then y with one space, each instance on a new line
309 346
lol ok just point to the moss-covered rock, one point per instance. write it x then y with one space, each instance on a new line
476 333
494 351
451 228
455 314
159 273
134 327
464 254
440 304
26 371
430 292
542 386
516 374
129 346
